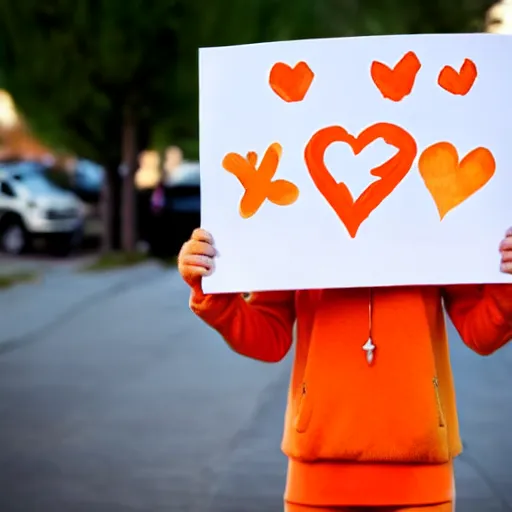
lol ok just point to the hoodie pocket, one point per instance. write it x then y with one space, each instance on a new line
304 409
439 403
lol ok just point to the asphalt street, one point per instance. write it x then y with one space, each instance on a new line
114 398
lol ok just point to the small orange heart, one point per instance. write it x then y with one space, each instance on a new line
458 82
397 83
449 182
291 84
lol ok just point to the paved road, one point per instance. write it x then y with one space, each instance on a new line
114 398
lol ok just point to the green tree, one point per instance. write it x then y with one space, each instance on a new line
228 22
92 77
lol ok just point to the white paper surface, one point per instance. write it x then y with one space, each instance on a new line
403 241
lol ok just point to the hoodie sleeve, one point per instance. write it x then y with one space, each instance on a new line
259 326
482 314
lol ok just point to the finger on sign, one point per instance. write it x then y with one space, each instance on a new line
185 249
202 235
200 271
192 272
506 267
506 256
197 260
506 244
201 248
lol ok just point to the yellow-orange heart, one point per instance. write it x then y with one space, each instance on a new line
451 182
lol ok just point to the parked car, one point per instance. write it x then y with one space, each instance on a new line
32 207
87 180
169 226
183 191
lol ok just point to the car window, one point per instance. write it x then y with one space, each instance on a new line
23 166
186 174
7 190
36 182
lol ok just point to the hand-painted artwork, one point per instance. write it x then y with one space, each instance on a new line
391 173
436 113
257 181
396 83
458 82
451 182
291 84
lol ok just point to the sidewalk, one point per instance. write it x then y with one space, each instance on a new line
119 399
132 404
59 292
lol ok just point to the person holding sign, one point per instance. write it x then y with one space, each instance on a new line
371 419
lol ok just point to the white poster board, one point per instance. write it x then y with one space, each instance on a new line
291 131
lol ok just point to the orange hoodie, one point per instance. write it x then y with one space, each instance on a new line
360 434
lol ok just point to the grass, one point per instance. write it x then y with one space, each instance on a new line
117 260
8 280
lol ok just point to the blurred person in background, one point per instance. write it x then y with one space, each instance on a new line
158 198
159 221
371 419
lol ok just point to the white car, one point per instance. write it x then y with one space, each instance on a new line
187 173
31 206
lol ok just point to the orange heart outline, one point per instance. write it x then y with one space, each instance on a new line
458 82
451 182
353 213
291 84
396 83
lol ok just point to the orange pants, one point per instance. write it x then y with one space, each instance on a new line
441 507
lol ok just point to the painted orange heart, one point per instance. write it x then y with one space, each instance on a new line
396 83
458 82
391 173
449 182
291 84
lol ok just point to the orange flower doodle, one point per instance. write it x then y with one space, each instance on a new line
257 182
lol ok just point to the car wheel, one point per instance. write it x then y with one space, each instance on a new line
14 238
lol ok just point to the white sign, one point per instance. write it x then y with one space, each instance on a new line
355 162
